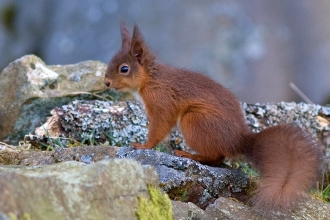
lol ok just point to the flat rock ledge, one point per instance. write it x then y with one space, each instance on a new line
207 192
180 178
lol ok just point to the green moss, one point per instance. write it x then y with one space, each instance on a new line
73 143
250 172
183 197
158 207
161 148
178 193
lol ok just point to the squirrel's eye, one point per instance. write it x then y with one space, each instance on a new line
124 69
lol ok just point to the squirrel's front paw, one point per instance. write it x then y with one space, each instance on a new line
181 153
139 146
136 145
178 153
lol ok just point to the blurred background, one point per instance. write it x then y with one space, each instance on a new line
255 48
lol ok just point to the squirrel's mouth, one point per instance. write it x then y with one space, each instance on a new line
119 89
111 87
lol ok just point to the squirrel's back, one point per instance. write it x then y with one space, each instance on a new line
190 86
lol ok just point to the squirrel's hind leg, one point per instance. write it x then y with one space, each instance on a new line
202 136
200 158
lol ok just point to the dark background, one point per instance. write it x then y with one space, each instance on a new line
255 48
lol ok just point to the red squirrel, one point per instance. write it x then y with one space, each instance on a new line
212 123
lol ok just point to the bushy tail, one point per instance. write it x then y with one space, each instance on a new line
289 162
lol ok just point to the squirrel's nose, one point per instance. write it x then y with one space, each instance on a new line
107 82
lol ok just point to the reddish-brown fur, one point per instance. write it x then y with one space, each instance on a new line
212 123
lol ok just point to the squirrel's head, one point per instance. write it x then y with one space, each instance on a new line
130 68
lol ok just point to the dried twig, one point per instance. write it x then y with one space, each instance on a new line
8 147
300 93
89 93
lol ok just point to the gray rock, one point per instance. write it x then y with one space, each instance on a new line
187 179
184 211
29 89
224 208
108 189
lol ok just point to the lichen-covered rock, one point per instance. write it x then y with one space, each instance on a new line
313 118
121 123
29 89
109 189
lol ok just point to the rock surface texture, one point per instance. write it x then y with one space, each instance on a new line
108 189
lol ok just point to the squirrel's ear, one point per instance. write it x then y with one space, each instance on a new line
125 35
137 51
137 44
